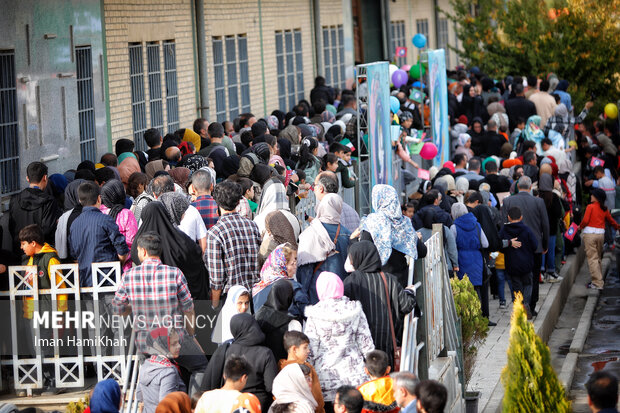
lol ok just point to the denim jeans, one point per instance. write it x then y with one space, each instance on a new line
548 263
501 279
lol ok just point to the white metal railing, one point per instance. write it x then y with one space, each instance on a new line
68 369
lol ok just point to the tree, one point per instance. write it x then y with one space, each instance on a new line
530 383
579 40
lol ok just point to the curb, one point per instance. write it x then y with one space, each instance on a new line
547 318
581 333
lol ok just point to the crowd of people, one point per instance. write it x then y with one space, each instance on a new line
309 313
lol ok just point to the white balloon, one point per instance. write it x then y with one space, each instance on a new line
392 69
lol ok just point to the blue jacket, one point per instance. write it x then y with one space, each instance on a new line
519 261
469 244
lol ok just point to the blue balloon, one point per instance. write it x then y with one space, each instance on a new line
419 40
394 104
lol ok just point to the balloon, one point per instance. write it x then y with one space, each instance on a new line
419 40
418 85
406 68
429 151
400 78
394 104
611 110
392 69
414 72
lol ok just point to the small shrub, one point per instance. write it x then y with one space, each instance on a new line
474 327
530 383
78 406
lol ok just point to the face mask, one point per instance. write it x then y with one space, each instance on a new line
348 267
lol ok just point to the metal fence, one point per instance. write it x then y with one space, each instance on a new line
68 369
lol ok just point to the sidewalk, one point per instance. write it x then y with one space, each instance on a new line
492 356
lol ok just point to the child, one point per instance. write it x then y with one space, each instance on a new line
159 375
330 162
43 256
517 131
344 157
247 204
409 209
229 398
378 392
519 262
297 345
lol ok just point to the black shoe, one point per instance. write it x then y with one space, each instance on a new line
492 324
534 313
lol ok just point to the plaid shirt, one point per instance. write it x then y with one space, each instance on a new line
232 252
155 292
205 204
556 123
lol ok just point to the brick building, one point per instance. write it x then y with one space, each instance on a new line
109 69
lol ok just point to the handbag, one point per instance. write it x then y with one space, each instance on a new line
396 349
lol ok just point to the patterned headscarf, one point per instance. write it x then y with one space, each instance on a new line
327 116
280 228
272 122
387 225
273 270
176 204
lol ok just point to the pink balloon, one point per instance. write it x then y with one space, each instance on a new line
429 151
406 68
399 78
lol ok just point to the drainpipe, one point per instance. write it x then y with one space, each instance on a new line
385 29
262 54
203 104
436 16
318 34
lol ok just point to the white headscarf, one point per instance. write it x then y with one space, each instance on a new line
290 386
222 333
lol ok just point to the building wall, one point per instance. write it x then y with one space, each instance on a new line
44 36
132 21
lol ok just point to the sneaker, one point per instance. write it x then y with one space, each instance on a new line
592 286
492 324
502 305
553 277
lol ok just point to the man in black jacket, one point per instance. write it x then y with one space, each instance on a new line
34 206
321 91
519 106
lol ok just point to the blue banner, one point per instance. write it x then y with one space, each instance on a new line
379 137
439 105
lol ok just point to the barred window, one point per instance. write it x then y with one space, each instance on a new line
86 104
333 56
398 40
422 27
231 72
9 150
157 85
289 62
442 40
138 102
172 89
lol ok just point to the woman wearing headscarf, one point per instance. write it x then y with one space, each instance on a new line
178 250
286 152
391 232
248 343
322 245
471 105
159 374
274 319
292 134
274 198
128 167
427 218
478 137
153 167
339 336
278 231
175 402
280 265
292 387
113 204
368 286
464 145
237 302
106 397
554 213
186 217
73 209
180 176
533 132
470 240
462 186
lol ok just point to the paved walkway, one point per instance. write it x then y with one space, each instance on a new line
492 356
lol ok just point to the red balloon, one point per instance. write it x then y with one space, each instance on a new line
429 151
